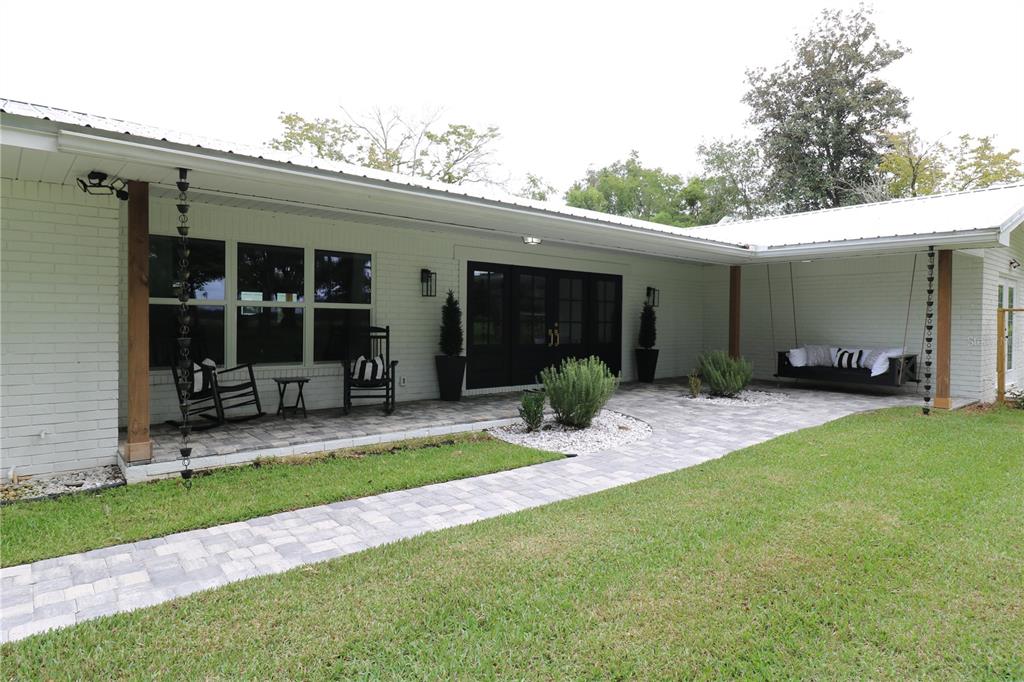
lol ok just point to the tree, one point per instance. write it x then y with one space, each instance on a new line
387 140
912 167
627 188
824 117
976 164
536 188
733 180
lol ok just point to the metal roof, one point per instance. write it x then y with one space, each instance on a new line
969 219
993 207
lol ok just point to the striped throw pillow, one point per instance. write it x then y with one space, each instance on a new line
366 369
850 359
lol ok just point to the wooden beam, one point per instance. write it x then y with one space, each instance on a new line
138 448
943 330
734 311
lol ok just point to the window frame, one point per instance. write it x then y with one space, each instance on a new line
230 302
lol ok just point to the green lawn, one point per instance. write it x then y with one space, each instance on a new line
884 546
30 531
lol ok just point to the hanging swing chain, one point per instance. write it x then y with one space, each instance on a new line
771 305
906 325
186 373
792 295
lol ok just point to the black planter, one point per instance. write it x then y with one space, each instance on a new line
646 363
450 370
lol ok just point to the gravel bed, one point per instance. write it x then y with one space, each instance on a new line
55 485
745 398
609 429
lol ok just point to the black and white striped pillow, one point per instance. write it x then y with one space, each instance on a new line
850 359
365 369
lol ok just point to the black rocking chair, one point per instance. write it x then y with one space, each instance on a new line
216 396
384 387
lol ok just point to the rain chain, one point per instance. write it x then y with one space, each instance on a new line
185 376
928 336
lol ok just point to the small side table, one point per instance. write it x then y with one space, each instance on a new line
282 385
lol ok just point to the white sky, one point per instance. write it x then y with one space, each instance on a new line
571 85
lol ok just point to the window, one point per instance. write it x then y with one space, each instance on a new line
206 302
342 277
606 303
340 334
269 334
270 273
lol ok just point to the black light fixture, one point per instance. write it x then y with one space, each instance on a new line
1014 263
653 297
96 184
428 283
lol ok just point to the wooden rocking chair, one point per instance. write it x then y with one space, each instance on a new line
371 384
216 397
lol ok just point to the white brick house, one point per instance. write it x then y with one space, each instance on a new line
845 275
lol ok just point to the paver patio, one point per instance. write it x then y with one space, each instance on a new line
65 590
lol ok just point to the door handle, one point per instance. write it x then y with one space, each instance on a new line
551 338
558 338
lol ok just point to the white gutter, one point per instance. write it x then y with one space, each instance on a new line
94 145
980 238
1009 225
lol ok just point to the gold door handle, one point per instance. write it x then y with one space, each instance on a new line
551 338
558 338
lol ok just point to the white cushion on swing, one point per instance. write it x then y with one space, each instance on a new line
797 357
818 356
878 359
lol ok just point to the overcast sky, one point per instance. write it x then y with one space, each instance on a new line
571 85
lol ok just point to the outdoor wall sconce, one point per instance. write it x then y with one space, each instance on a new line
530 240
653 297
1014 263
97 185
428 283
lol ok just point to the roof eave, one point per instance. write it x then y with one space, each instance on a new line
977 238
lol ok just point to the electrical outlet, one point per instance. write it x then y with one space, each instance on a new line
401 381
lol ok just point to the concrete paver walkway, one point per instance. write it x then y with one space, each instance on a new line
66 590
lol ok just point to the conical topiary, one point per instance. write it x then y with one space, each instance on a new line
451 326
648 327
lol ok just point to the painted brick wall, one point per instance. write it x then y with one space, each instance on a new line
58 321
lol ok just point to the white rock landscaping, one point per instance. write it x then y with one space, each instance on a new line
608 430
38 487
745 398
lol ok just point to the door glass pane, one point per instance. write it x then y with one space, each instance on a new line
604 311
532 313
340 334
487 324
207 334
570 310
342 277
269 334
270 273
206 264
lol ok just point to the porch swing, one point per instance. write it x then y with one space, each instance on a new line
902 367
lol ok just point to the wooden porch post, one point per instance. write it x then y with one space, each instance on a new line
943 330
139 447
734 311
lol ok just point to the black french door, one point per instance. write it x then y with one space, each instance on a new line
521 320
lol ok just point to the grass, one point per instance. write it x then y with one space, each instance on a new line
881 546
76 523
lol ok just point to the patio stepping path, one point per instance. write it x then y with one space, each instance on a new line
66 590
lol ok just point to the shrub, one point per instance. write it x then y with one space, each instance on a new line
578 389
1015 398
532 409
648 327
725 376
695 383
451 326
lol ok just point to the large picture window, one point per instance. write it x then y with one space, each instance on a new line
276 305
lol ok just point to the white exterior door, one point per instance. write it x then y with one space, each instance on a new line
1008 297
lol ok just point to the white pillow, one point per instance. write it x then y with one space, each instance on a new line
878 359
797 357
850 358
818 356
